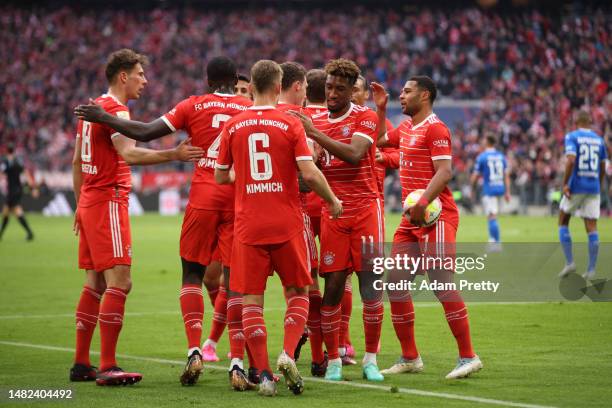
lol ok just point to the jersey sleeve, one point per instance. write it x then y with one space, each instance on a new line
176 118
225 159
393 137
122 112
604 152
478 165
439 142
390 157
366 125
301 149
570 145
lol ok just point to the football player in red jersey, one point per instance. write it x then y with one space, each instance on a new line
102 182
266 148
242 86
209 216
425 163
347 134
315 104
386 157
292 96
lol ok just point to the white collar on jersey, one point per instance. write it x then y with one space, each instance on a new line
423 121
223 94
261 107
341 118
316 106
585 129
110 95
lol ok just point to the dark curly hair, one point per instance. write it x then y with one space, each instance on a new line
344 68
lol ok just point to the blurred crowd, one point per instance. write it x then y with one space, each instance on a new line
530 69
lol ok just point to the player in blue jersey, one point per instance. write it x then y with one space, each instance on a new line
492 166
585 152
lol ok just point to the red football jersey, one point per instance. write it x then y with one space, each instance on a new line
354 185
286 107
263 144
312 110
106 176
314 203
390 161
203 118
420 145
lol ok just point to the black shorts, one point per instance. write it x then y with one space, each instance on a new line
13 199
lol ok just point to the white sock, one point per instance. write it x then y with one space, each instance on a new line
211 343
236 361
369 358
191 350
342 351
335 361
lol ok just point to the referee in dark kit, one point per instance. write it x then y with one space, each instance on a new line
12 167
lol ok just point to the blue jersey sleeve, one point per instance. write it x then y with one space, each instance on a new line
478 164
570 145
604 152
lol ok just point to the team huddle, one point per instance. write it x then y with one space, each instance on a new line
296 155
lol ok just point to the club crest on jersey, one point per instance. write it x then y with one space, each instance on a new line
412 141
328 258
345 131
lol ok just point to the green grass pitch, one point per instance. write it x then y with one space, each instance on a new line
538 354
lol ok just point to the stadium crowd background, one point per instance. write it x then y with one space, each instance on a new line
529 69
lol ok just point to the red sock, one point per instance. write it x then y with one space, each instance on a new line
212 295
347 309
112 310
402 316
314 326
256 335
457 318
234 327
250 355
219 319
86 320
373 312
192 307
295 321
330 325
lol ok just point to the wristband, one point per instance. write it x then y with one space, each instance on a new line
423 202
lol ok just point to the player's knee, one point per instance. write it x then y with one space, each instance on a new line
334 289
212 275
295 291
193 272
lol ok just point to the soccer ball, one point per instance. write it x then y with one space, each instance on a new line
432 212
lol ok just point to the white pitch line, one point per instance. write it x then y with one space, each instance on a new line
271 309
412 391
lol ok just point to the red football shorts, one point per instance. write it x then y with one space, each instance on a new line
312 245
346 241
203 231
437 241
315 226
104 238
253 264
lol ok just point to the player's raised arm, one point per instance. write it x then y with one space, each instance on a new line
380 98
133 154
140 131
